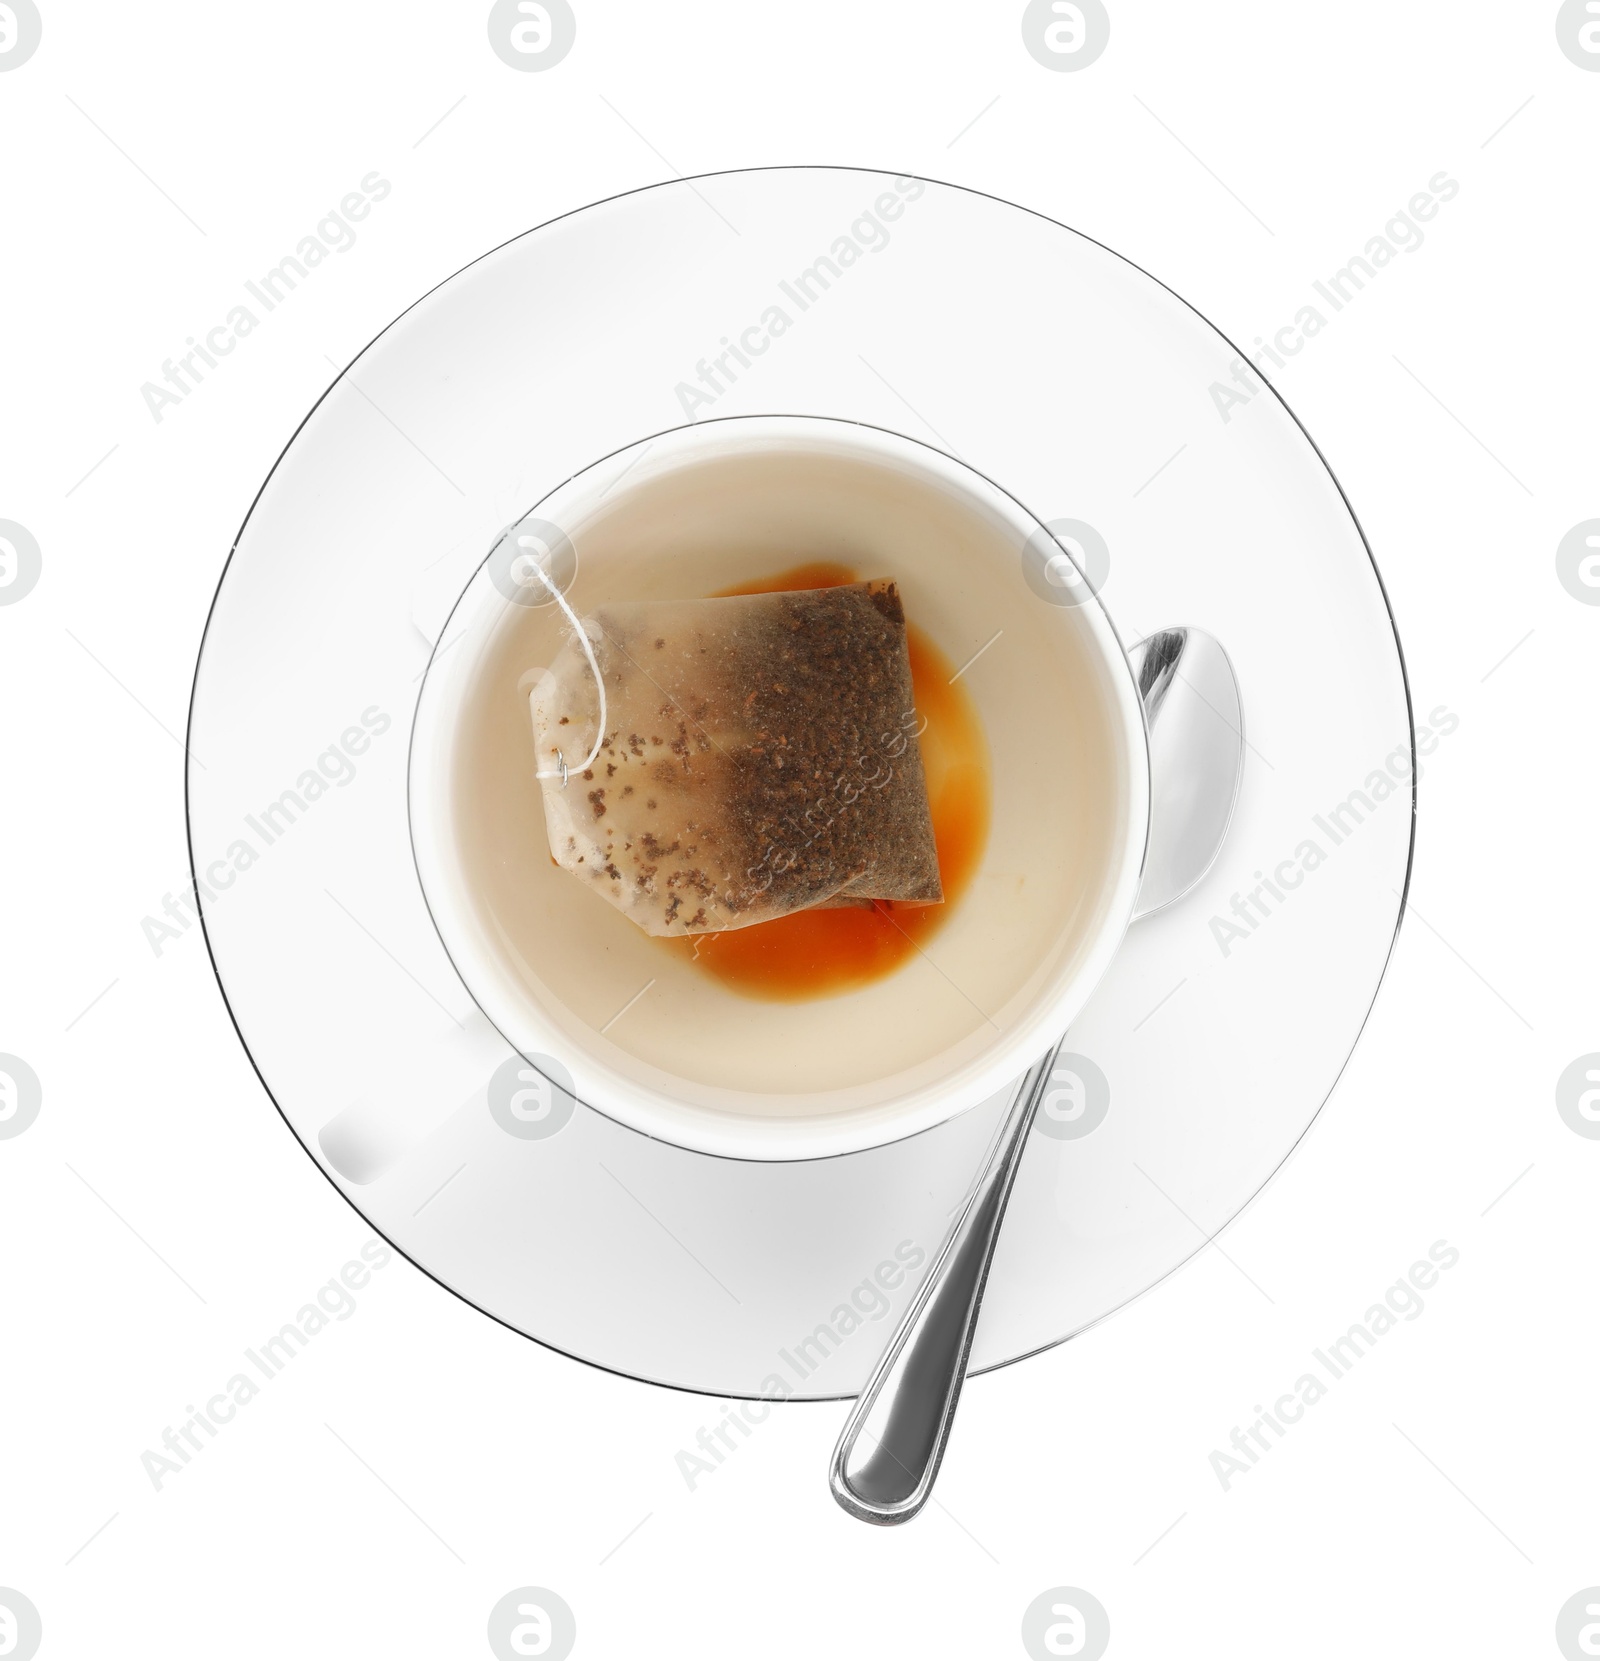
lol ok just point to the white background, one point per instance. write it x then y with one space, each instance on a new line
420 1461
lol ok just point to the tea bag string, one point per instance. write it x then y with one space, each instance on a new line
560 770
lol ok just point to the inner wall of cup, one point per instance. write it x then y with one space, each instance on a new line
686 527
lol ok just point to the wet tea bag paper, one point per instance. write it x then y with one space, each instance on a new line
760 757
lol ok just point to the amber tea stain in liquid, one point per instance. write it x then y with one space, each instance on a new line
812 954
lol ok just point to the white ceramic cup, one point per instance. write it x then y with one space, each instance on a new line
688 1060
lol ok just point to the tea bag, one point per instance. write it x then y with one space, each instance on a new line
709 764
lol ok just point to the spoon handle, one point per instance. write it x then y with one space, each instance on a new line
889 1451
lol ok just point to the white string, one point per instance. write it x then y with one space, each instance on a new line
560 770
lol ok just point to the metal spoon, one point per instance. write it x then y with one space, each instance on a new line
889 1452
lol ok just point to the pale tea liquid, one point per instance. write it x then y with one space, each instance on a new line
1022 764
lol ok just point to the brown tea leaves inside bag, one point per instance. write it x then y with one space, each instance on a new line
760 756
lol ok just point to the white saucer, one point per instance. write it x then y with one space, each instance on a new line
1056 368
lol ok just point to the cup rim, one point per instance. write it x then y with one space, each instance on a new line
716 1132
